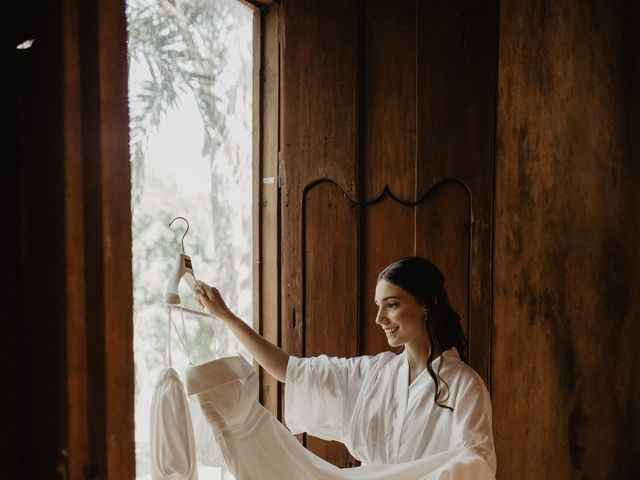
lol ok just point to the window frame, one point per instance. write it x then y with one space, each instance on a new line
99 420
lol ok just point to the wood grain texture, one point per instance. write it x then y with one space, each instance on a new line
318 118
387 165
443 235
387 230
117 283
75 269
330 308
567 289
387 100
318 134
268 271
457 44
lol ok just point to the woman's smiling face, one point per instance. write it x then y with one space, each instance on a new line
400 315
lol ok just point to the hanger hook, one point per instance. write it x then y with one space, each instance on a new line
185 232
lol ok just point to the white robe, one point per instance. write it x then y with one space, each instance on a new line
368 404
243 436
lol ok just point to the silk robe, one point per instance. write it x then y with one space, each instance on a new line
368 404
240 434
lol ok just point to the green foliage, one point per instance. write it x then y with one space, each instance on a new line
181 46
182 49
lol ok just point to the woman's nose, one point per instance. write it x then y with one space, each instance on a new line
380 318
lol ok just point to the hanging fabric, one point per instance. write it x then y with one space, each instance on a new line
254 444
172 441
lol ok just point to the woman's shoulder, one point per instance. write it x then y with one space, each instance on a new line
461 373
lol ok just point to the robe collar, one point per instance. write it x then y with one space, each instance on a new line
449 358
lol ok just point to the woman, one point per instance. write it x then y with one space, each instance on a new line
389 408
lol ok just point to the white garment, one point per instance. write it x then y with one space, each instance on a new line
172 444
367 404
255 445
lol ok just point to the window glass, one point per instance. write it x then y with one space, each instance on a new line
190 102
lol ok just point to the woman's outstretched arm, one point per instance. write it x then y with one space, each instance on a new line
271 357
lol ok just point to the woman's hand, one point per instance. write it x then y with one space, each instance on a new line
210 299
272 358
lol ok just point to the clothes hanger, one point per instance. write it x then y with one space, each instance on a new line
182 269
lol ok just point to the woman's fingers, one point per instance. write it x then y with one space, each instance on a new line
198 295
203 288
201 293
209 298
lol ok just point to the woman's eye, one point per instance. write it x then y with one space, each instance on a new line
392 305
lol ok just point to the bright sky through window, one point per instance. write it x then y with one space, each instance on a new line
190 101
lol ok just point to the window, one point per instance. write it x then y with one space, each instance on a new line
190 100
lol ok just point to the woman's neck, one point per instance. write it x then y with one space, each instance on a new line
417 355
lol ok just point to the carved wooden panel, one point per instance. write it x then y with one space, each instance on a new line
330 286
346 243
386 151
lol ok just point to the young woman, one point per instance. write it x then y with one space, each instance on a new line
388 408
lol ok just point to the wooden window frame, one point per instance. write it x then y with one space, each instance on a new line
97 204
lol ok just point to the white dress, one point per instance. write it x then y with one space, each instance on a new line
172 450
245 438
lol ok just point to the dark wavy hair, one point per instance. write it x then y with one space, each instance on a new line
425 282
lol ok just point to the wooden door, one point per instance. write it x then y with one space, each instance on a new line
387 114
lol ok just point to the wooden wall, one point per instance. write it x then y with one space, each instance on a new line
71 387
372 94
387 128
387 149
33 189
566 370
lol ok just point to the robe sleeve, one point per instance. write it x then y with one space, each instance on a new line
472 419
320 393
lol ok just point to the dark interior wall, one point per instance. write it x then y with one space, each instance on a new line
69 348
34 339
566 370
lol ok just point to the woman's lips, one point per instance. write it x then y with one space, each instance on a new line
390 330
